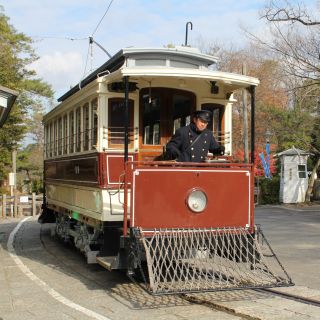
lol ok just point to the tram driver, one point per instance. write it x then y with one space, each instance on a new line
193 142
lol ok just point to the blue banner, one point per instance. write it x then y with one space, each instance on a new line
266 162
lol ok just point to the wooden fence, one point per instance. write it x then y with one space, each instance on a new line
20 205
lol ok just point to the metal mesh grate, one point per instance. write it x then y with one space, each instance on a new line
191 260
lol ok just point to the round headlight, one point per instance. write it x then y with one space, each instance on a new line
196 200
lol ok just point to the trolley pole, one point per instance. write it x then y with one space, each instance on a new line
126 118
245 118
253 103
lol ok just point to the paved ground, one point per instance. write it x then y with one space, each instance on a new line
43 279
55 283
294 234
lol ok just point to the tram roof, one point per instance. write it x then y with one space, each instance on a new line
115 62
233 80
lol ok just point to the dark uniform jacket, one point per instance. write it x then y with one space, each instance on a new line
183 147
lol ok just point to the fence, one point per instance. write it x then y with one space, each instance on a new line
20 205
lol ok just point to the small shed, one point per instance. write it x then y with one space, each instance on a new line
294 175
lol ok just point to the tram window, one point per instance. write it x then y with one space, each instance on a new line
150 62
181 110
217 114
86 127
59 129
78 129
176 124
47 140
146 135
151 119
71 131
167 110
181 64
50 139
94 123
116 120
156 134
55 138
65 134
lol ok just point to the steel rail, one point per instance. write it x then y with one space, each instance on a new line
291 296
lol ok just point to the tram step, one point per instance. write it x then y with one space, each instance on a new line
109 263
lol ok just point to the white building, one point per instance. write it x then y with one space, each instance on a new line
294 175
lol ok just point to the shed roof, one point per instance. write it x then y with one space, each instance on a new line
293 152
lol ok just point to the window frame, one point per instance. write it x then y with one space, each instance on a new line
166 112
131 123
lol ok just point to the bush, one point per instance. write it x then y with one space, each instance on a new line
37 186
269 190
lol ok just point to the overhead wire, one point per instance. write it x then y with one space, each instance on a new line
90 50
96 28
59 38
85 68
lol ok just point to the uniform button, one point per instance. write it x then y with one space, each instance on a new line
192 156
205 141
201 157
202 149
193 148
190 141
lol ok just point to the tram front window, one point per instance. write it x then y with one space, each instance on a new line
181 111
163 110
151 120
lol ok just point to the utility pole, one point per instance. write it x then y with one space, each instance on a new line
12 179
245 118
12 175
14 166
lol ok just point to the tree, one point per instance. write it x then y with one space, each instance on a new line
270 94
294 41
16 55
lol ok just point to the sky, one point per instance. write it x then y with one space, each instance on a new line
140 23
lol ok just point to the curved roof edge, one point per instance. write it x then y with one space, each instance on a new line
118 59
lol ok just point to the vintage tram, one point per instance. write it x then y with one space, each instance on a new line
185 227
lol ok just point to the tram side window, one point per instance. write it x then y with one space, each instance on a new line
151 120
50 139
94 123
71 131
47 141
86 127
65 134
78 129
55 137
59 136
216 124
116 121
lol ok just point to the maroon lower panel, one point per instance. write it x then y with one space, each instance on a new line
159 197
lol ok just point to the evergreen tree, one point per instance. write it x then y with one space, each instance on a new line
16 56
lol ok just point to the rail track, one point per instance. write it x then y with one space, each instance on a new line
199 298
291 296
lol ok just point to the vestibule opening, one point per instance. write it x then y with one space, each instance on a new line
162 111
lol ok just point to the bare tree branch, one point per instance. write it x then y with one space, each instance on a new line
275 13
